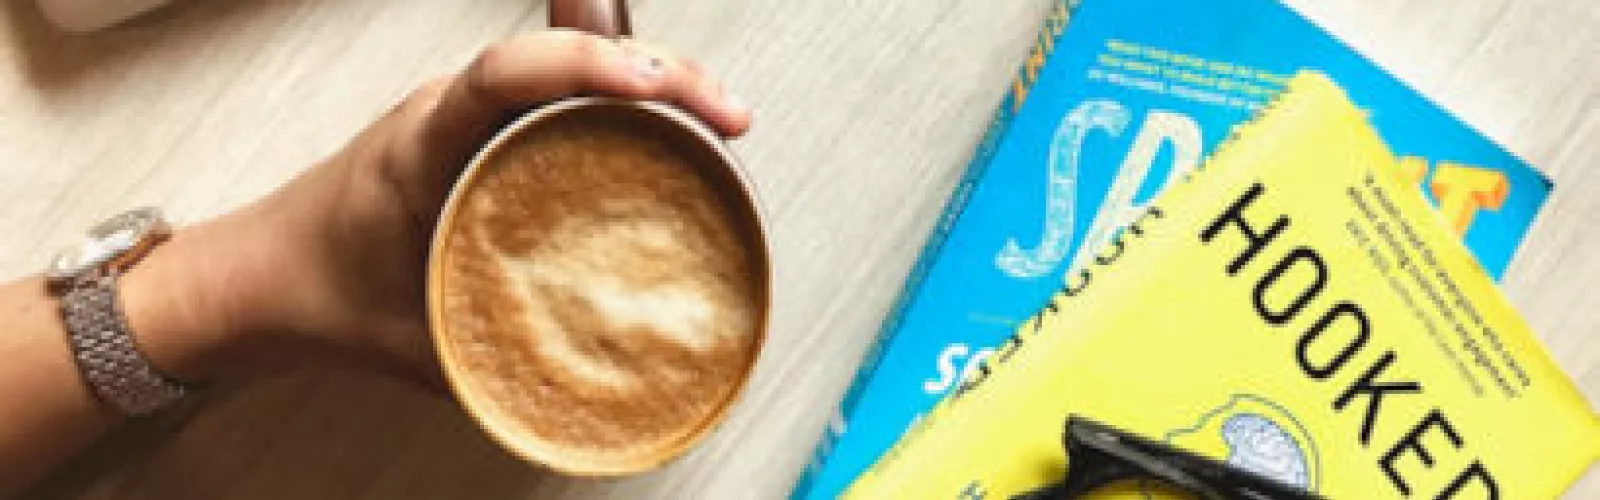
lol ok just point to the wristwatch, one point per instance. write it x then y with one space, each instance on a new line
84 278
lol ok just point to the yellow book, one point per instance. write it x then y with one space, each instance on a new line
1296 310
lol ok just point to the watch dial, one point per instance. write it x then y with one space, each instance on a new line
65 264
135 221
122 239
106 241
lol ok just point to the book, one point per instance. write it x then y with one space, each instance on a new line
1131 94
810 483
1296 310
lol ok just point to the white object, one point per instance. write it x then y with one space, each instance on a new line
91 15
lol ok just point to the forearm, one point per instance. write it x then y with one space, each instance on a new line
177 319
47 410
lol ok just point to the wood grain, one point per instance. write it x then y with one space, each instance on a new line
867 112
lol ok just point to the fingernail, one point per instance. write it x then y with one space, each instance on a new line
735 103
649 66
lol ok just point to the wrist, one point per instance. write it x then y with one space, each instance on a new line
186 303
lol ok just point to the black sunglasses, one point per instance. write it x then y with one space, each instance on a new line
1098 454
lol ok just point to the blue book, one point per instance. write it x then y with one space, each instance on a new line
1027 75
1133 94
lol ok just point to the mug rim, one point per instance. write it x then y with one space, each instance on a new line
527 446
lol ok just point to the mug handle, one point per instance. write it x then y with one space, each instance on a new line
607 18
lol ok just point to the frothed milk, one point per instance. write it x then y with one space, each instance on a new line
597 301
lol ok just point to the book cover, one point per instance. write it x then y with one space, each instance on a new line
1296 310
1017 93
1134 93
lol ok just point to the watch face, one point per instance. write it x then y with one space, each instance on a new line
127 226
65 265
107 241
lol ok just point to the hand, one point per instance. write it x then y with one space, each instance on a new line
335 261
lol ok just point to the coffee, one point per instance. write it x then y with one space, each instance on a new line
599 297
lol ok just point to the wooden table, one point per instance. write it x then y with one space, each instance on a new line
867 112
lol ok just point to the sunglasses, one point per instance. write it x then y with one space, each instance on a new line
1099 454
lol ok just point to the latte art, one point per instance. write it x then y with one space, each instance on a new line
599 301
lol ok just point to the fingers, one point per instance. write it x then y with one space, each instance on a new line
684 82
517 74
544 66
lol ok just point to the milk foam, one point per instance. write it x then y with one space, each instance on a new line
598 299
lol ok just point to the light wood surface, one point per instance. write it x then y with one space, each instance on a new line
867 112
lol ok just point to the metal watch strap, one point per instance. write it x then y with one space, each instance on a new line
103 347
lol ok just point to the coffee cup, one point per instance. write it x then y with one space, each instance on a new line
599 280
